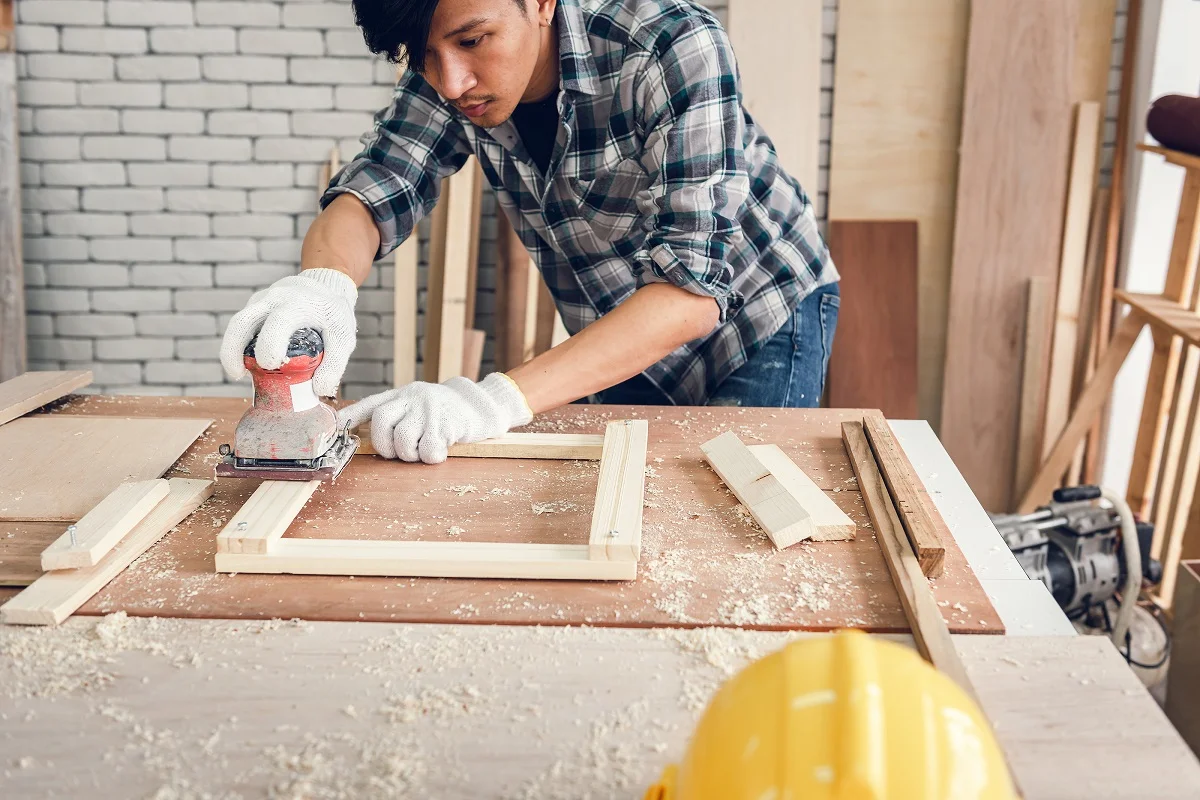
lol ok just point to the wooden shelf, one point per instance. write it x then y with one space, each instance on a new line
1164 313
1179 157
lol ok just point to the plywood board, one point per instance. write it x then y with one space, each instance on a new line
897 114
31 390
771 39
702 562
875 358
58 467
1008 227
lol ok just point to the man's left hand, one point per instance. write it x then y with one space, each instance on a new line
420 421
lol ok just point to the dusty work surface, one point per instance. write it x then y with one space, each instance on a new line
127 707
704 561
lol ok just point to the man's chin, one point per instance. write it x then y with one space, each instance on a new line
492 118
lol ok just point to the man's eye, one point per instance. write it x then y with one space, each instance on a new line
471 42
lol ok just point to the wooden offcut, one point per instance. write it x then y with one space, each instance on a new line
56 595
31 390
830 523
1008 228
926 530
105 525
875 352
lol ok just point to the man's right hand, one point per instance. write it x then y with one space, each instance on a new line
322 299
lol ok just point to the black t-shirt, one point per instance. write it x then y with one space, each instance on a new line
537 122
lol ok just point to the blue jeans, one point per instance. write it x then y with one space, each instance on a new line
787 372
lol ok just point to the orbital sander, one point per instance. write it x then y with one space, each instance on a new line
288 434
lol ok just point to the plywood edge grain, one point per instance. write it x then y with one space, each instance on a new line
31 390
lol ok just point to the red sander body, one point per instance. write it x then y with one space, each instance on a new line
288 434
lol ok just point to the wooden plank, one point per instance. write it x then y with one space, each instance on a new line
21 546
1089 404
897 116
616 530
830 523
553 446
1012 178
929 629
1088 349
105 525
1093 51
924 526
58 467
771 38
547 314
1186 160
875 352
1174 449
473 341
1070 274
12 268
514 267
460 244
404 308
534 288
434 288
31 390
773 507
1164 314
265 517
1038 309
429 560
56 595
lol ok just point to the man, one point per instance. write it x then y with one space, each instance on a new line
684 261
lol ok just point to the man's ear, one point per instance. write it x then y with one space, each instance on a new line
545 11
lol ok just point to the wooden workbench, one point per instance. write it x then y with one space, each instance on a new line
704 562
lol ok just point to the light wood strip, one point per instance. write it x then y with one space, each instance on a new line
429 560
12 268
265 517
105 525
473 341
616 532
1164 314
434 280
922 523
461 227
550 446
404 306
830 523
31 390
56 595
1038 308
929 629
1183 492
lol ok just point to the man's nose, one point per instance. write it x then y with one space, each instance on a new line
457 79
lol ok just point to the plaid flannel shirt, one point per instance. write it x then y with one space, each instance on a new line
658 175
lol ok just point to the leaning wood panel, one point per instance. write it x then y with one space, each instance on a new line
105 525
555 446
922 523
616 532
1038 310
897 115
24 393
830 523
12 267
56 595
429 560
265 517
1011 189
782 37
929 629
875 352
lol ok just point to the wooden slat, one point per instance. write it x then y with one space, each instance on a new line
512 281
1038 309
12 269
616 532
771 38
1164 314
551 446
1012 177
1089 404
830 523
1070 274
547 314
473 342
874 361
1182 392
1088 346
929 629
31 390
1186 160
404 307
1183 493
56 595
461 230
105 525
265 517
431 345
897 116
924 526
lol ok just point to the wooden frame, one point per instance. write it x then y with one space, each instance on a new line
253 540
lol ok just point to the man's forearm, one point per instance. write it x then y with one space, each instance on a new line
342 237
644 329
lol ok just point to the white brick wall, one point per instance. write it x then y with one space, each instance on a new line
169 158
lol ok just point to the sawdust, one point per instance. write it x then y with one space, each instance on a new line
388 767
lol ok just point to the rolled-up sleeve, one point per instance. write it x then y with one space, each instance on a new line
416 141
692 126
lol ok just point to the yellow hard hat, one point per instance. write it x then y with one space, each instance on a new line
842 716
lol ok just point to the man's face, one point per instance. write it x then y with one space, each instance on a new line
482 54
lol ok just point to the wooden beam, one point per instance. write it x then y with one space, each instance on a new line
265 517
922 523
90 539
461 231
404 309
616 532
12 267
1038 308
929 629
551 446
31 390
56 595
830 523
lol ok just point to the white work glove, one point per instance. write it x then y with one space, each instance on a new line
420 421
322 299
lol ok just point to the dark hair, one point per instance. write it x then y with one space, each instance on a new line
398 30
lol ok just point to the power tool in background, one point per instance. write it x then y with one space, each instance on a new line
1092 554
288 434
